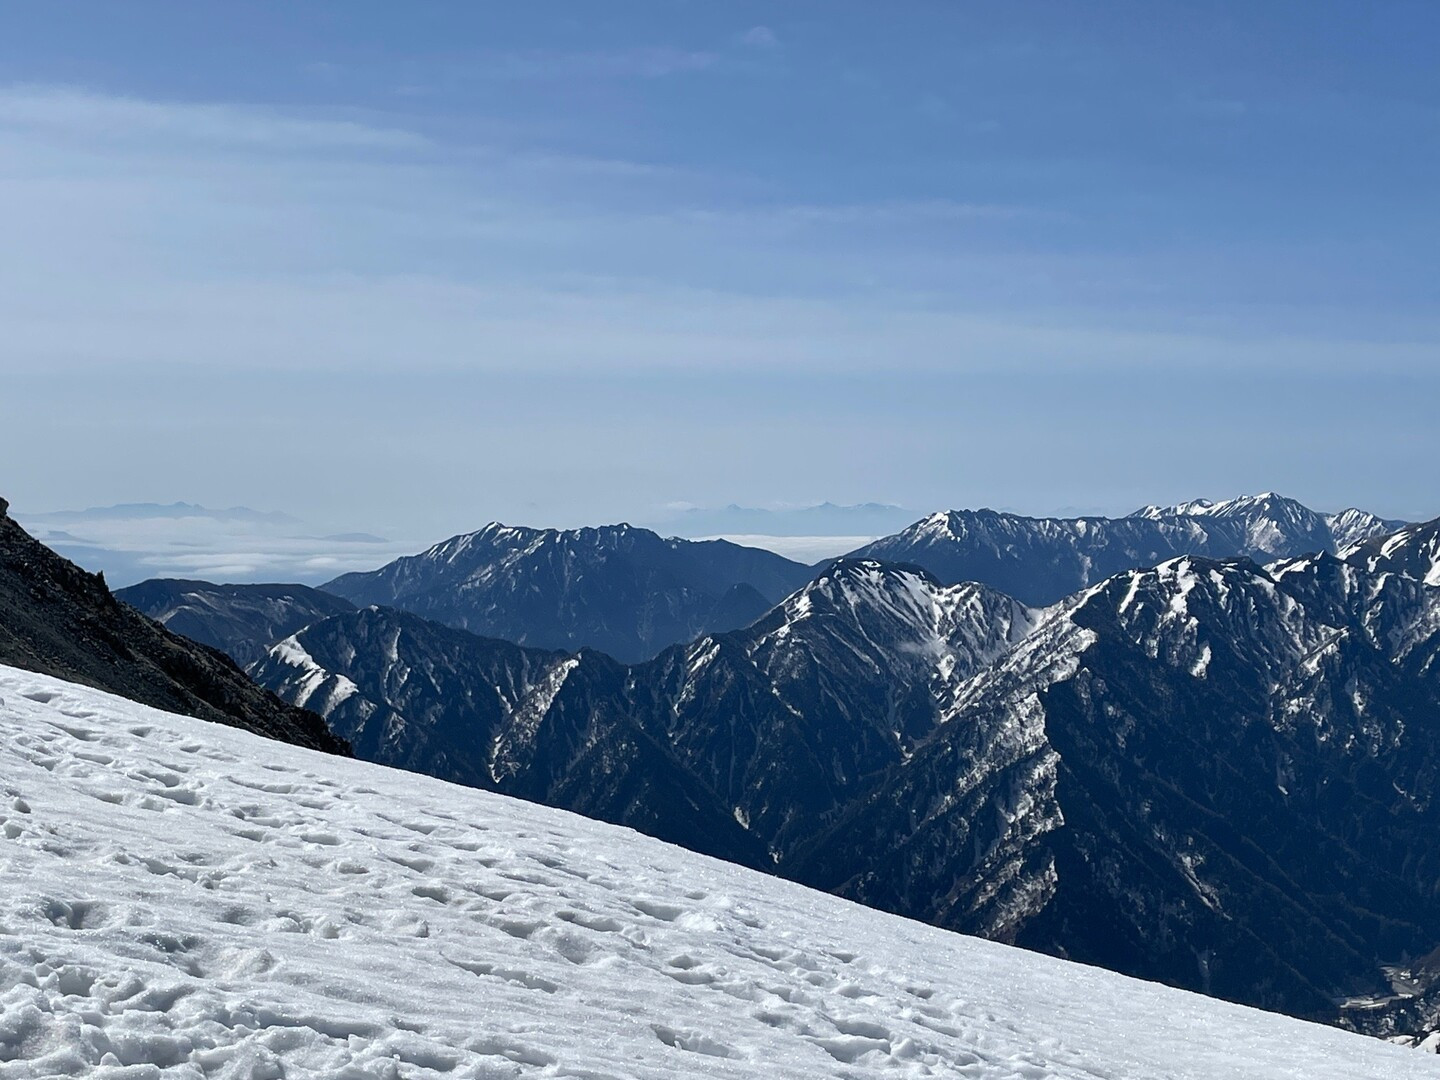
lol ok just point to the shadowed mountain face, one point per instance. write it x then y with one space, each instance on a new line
1413 551
798 714
765 730
57 619
537 724
1208 773
240 620
624 591
1042 560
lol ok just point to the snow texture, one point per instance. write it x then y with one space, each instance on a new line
187 900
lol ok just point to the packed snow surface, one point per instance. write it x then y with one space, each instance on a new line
183 899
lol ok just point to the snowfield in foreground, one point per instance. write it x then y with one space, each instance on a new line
183 899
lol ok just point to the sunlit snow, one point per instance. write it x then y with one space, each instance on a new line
187 900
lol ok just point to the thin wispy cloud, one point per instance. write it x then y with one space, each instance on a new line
94 122
646 63
882 213
455 259
760 37
96 117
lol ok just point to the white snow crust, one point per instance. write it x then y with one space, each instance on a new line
186 900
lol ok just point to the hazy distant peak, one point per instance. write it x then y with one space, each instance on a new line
160 511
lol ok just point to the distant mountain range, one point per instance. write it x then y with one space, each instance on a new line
630 593
1041 560
163 511
625 591
59 620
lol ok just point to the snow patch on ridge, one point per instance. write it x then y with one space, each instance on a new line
313 677
505 758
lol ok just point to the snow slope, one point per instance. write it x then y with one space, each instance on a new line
184 899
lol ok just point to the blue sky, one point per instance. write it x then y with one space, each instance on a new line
409 268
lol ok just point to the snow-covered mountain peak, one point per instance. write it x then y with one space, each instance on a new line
1352 526
1277 525
942 524
498 540
1156 512
1042 560
1169 585
1186 608
904 608
861 584
1274 524
1268 501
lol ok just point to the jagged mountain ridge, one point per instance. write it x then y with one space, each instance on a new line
491 714
619 590
1042 560
799 713
1413 551
771 727
1352 526
1280 527
624 591
58 620
1206 773
240 620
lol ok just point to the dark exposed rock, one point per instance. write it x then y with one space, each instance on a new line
1210 774
59 620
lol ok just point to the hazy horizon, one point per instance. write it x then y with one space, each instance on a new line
134 542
